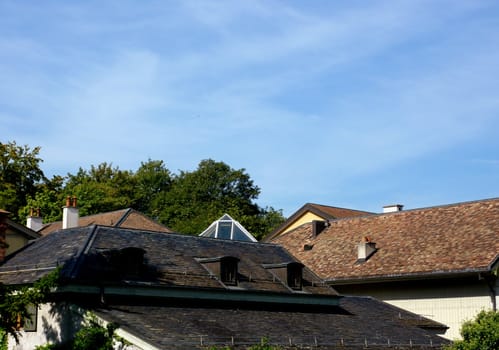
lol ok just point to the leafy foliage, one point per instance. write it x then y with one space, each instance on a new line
187 202
14 302
482 333
92 336
3 340
197 198
20 172
101 189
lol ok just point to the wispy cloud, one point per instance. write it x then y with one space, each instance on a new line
305 97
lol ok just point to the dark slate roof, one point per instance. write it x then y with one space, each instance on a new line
125 218
175 300
438 241
357 322
171 260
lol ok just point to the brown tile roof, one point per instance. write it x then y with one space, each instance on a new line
335 212
126 218
457 238
326 212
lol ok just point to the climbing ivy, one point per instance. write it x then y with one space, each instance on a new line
92 336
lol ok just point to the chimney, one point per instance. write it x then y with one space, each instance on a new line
392 208
70 213
365 249
3 229
34 221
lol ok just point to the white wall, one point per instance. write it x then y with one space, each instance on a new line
55 323
450 304
59 322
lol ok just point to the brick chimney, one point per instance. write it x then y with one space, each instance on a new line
3 229
34 221
70 213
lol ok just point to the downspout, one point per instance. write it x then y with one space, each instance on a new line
491 281
493 293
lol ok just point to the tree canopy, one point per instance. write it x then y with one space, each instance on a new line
481 333
186 202
20 173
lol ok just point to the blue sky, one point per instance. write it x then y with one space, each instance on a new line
354 104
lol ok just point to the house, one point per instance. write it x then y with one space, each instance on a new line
126 218
188 292
16 235
314 212
439 262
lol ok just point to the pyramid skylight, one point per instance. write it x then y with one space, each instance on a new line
228 228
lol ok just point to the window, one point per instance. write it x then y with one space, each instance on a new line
228 270
224 267
228 228
295 273
28 324
289 273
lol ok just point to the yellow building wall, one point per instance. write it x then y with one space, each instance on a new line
305 218
15 241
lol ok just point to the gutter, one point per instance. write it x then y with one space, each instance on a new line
408 276
202 294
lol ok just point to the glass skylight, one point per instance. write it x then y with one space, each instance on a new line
228 228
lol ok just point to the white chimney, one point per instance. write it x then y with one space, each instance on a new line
70 213
34 221
365 249
392 208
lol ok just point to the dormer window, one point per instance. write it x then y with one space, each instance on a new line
290 273
295 275
224 267
228 270
131 261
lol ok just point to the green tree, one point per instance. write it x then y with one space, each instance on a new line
199 197
482 333
101 189
20 172
151 180
49 198
91 336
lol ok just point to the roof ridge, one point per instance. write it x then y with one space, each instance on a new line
127 213
84 248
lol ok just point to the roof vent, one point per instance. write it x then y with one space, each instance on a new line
365 249
392 208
